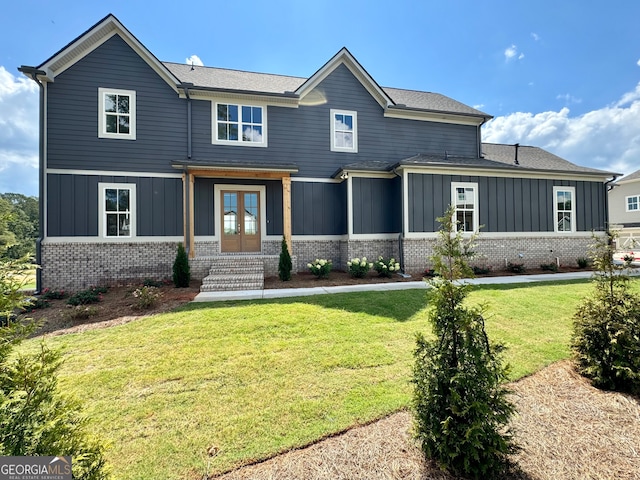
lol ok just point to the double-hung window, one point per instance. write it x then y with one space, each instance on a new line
633 203
117 210
116 114
564 209
464 197
236 124
344 131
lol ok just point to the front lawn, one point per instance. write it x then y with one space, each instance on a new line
257 378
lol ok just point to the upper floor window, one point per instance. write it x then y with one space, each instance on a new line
344 131
239 124
465 201
633 203
117 210
116 114
564 209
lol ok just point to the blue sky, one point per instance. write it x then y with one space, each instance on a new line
562 75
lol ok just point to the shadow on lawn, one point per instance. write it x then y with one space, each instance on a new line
400 305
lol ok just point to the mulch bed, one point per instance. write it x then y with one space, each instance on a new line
567 430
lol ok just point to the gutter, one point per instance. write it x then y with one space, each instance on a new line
33 73
608 185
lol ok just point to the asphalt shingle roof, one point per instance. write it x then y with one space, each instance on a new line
632 176
238 80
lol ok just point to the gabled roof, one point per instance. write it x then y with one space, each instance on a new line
92 39
635 176
344 57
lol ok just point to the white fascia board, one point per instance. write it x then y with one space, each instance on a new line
439 117
344 57
239 97
369 174
91 40
64 171
506 235
100 240
315 180
488 172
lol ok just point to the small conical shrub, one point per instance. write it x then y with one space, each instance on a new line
181 270
285 265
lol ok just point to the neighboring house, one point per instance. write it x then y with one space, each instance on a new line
138 155
624 210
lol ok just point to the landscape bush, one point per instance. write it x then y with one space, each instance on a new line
582 262
320 267
359 267
516 267
181 269
35 418
145 297
606 328
549 267
460 403
284 264
386 268
86 297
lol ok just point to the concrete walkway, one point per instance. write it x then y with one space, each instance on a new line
382 287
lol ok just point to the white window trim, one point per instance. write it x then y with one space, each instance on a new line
476 209
626 203
557 189
239 142
354 115
102 222
102 126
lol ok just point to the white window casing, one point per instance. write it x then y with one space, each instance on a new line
632 203
564 209
239 124
116 114
344 131
464 198
117 210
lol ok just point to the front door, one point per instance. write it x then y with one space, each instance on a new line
240 221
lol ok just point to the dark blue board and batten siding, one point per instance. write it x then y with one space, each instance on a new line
377 205
302 135
72 115
73 210
318 208
505 204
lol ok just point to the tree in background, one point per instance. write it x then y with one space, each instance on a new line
181 269
460 404
19 233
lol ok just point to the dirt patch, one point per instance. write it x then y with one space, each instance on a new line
567 428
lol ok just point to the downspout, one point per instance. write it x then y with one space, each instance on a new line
33 73
608 187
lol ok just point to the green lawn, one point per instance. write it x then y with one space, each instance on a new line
261 377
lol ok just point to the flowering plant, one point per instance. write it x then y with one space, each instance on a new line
358 268
146 297
320 267
386 268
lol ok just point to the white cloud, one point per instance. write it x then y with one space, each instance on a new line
607 138
479 106
18 133
535 36
568 98
512 52
638 63
194 60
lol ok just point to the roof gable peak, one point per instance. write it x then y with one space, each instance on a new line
93 38
344 57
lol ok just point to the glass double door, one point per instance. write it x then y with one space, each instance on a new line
240 221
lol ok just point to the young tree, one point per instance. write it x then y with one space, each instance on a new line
460 403
35 418
181 269
606 325
284 265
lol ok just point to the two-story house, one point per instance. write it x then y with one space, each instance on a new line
624 210
138 154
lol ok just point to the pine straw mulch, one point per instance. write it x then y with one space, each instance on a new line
567 430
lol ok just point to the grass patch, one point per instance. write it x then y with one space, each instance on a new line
257 378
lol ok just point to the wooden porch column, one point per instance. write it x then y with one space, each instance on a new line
286 211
